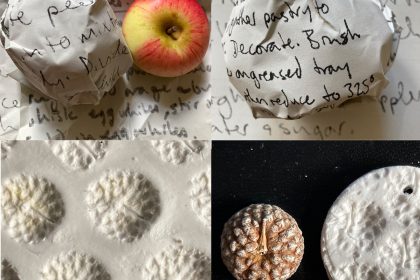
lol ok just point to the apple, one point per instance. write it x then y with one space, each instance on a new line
167 38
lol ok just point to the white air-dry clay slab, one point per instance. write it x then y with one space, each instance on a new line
372 231
105 210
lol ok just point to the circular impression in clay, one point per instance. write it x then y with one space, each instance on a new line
74 265
79 155
177 262
123 204
372 231
31 208
178 152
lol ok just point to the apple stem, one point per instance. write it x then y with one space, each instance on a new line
174 32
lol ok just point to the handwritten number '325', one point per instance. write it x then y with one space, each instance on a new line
356 86
353 89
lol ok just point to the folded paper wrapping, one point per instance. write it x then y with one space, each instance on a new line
291 58
72 51
3 5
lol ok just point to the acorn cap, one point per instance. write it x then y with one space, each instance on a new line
262 242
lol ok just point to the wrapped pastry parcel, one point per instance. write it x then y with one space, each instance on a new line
291 58
72 51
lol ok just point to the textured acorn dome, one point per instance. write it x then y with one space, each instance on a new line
262 242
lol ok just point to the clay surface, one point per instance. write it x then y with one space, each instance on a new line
124 211
373 229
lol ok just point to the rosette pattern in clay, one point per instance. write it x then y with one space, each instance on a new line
178 262
74 266
177 152
79 154
31 208
123 204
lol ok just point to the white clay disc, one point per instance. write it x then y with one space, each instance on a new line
372 231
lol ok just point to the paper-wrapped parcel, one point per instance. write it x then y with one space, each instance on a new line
291 58
72 51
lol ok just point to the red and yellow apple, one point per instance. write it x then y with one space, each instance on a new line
167 38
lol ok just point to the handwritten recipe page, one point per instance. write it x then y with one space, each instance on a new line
138 106
204 101
395 114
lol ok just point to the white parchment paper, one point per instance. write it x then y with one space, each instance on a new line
394 115
138 106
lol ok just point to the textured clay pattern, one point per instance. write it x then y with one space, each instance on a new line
177 152
403 253
178 263
123 204
262 242
201 197
122 207
8 272
372 231
79 154
6 147
31 208
74 266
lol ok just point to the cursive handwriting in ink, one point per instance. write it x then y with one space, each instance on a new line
68 5
268 76
330 69
19 17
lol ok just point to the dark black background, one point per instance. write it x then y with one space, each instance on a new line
303 178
